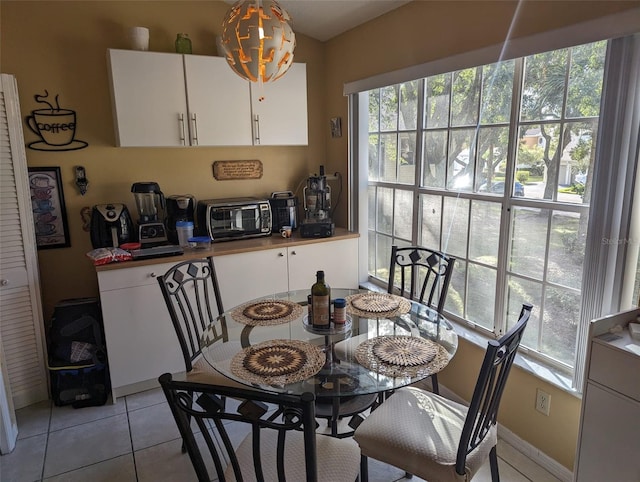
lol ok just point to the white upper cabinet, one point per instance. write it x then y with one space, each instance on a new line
148 98
219 103
166 100
280 109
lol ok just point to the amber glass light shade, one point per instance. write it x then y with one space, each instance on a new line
257 39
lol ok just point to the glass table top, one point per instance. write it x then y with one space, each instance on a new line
269 344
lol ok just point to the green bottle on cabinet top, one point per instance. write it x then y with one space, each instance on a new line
183 44
320 300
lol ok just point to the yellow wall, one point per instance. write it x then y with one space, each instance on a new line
61 46
424 31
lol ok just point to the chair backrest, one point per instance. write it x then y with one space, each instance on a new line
192 295
420 274
205 404
483 410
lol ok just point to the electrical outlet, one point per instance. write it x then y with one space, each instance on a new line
543 402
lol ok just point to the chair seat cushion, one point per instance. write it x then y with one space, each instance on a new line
338 459
419 432
203 372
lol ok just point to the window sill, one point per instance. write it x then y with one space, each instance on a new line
527 363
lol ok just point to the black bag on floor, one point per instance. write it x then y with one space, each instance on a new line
79 387
77 355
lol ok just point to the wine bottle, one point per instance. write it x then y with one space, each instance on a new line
320 300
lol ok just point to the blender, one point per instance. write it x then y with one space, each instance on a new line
150 203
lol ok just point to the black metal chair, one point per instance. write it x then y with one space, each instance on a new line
438 439
191 292
422 275
281 444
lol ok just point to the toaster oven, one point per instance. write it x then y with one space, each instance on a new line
234 218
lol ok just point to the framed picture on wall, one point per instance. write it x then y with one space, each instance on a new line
49 212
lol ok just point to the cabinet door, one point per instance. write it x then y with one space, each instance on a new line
338 259
149 98
140 338
281 109
219 103
609 437
245 276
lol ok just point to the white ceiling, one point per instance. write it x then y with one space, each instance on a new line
324 19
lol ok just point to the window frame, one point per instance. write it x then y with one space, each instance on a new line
360 181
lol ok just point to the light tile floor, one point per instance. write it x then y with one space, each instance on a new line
136 439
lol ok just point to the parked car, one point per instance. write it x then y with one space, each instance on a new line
498 188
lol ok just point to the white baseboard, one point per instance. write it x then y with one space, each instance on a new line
536 455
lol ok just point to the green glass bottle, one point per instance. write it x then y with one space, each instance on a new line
320 300
183 44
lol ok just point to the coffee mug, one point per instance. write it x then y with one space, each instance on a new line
56 127
285 231
43 205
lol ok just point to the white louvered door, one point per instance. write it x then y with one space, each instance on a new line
21 323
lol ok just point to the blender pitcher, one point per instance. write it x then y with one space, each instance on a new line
149 202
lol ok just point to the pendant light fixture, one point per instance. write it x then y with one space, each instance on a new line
257 40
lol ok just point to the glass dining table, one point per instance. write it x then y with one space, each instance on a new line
387 342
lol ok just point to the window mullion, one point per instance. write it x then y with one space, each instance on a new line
417 180
504 243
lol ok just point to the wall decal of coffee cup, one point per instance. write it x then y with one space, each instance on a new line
56 127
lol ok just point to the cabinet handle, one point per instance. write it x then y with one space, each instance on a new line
4 282
181 121
195 129
293 253
256 121
152 275
280 254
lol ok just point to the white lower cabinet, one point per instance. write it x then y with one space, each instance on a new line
610 420
140 338
338 260
246 276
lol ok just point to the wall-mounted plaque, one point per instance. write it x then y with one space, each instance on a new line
227 170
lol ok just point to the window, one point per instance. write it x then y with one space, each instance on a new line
493 165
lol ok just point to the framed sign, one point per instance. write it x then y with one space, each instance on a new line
49 212
226 170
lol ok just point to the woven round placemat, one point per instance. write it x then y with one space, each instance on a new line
402 356
382 305
267 312
278 362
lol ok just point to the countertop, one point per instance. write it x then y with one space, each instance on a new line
234 247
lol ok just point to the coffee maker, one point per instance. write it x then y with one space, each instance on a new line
180 207
150 203
317 208
284 210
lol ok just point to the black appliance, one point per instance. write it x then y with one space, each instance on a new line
284 210
317 206
180 207
151 206
111 226
317 229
